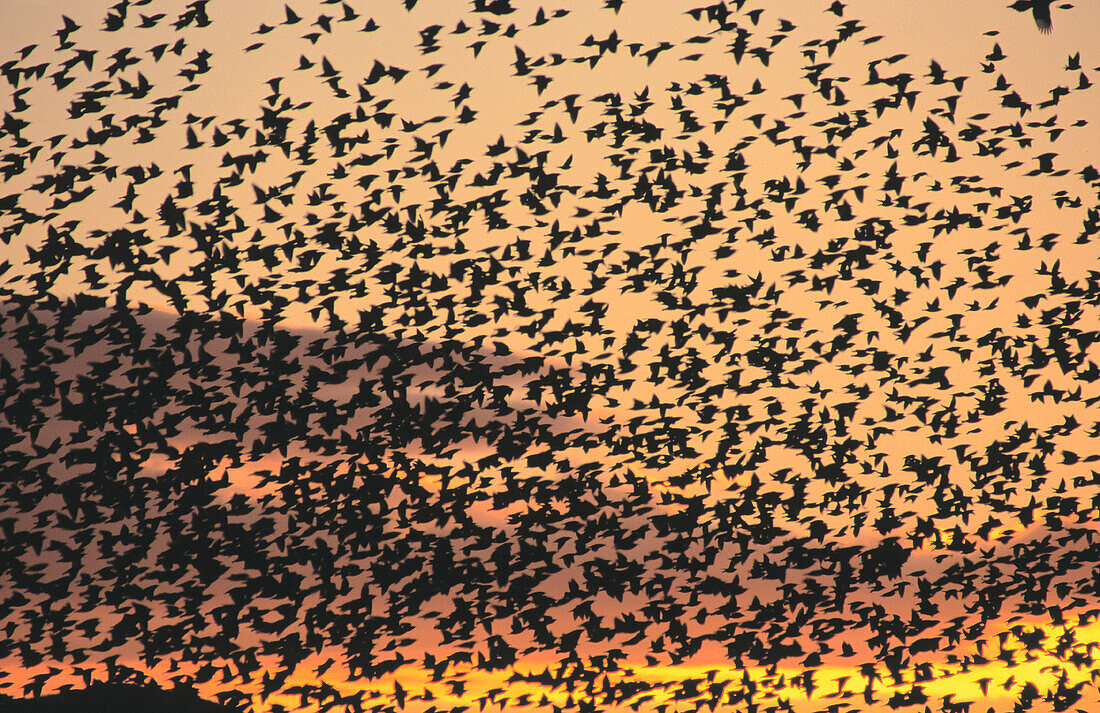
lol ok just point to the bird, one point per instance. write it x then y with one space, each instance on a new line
1040 10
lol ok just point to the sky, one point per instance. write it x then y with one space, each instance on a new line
647 355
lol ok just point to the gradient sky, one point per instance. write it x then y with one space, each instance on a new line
955 291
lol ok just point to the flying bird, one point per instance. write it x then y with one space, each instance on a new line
1040 10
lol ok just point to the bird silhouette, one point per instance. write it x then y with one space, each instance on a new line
1040 10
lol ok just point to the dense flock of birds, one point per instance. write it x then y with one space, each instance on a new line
551 364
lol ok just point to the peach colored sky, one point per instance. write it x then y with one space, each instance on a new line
886 427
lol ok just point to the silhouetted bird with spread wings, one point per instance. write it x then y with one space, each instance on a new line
1040 10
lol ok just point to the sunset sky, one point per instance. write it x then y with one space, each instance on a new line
585 356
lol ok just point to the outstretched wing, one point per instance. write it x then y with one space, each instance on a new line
1041 10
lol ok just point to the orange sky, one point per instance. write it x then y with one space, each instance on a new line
908 361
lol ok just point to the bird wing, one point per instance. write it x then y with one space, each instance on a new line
1041 11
